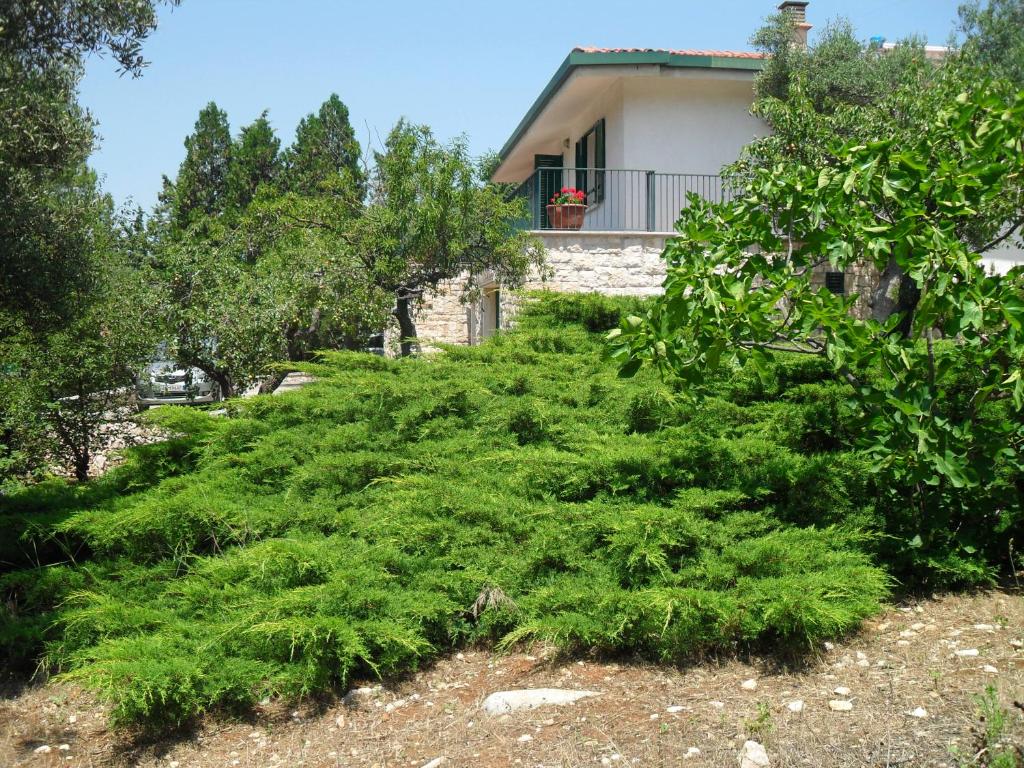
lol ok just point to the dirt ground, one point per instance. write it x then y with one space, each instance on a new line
644 715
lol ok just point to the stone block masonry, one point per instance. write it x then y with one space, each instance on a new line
613 263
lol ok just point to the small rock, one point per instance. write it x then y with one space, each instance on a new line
840 706
257 734
749 685
654 717
883 627
984 627
433 763
882 663
340 721
861 656
903 643
717 705
173 764
43 750
908 633
918 609
919 712
674 709
753 755
828 646
356 696
460 657
917 626
525 738
796 706
1017 643
691 753
503 702
966 653
64 747
72 719
990 669
842 690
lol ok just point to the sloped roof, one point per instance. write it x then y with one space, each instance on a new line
673 52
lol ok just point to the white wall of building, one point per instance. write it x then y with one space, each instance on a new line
691 121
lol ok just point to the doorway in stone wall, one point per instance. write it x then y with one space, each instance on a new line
490 311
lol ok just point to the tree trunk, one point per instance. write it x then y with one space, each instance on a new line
406 326
272 382
227 387
82 465
896 294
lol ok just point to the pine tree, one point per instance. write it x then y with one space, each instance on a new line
202 183
325 157
255 160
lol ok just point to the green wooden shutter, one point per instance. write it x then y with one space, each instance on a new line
581 164
548 182
599 161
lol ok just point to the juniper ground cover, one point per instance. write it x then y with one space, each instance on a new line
396 509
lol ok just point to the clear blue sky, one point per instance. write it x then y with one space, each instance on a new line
460 67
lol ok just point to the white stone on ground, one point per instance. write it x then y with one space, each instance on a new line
45 749
840 706
64 747
525 738
433 763
984 627
990 669
796 706
691 753
842 691
967 653
919 712
749 685
504 702
674 709
753 755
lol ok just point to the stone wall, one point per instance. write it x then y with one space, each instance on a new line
613 263
616 263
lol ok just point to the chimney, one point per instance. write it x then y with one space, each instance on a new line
796 10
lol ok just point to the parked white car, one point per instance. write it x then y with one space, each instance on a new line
164 382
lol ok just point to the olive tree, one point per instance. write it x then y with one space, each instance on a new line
432 218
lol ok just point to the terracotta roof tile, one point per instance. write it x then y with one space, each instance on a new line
719 54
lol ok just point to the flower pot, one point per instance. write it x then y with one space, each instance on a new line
566 216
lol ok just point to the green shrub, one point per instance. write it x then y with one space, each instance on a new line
397 509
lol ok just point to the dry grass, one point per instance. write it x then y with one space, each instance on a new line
437 712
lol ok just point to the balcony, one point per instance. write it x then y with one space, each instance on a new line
619 200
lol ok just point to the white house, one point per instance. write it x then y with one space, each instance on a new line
637 130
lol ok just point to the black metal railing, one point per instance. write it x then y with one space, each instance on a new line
618 200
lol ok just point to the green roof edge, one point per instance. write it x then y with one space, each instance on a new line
599 58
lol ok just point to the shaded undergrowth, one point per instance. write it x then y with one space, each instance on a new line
395 509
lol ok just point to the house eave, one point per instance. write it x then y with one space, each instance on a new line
593 58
